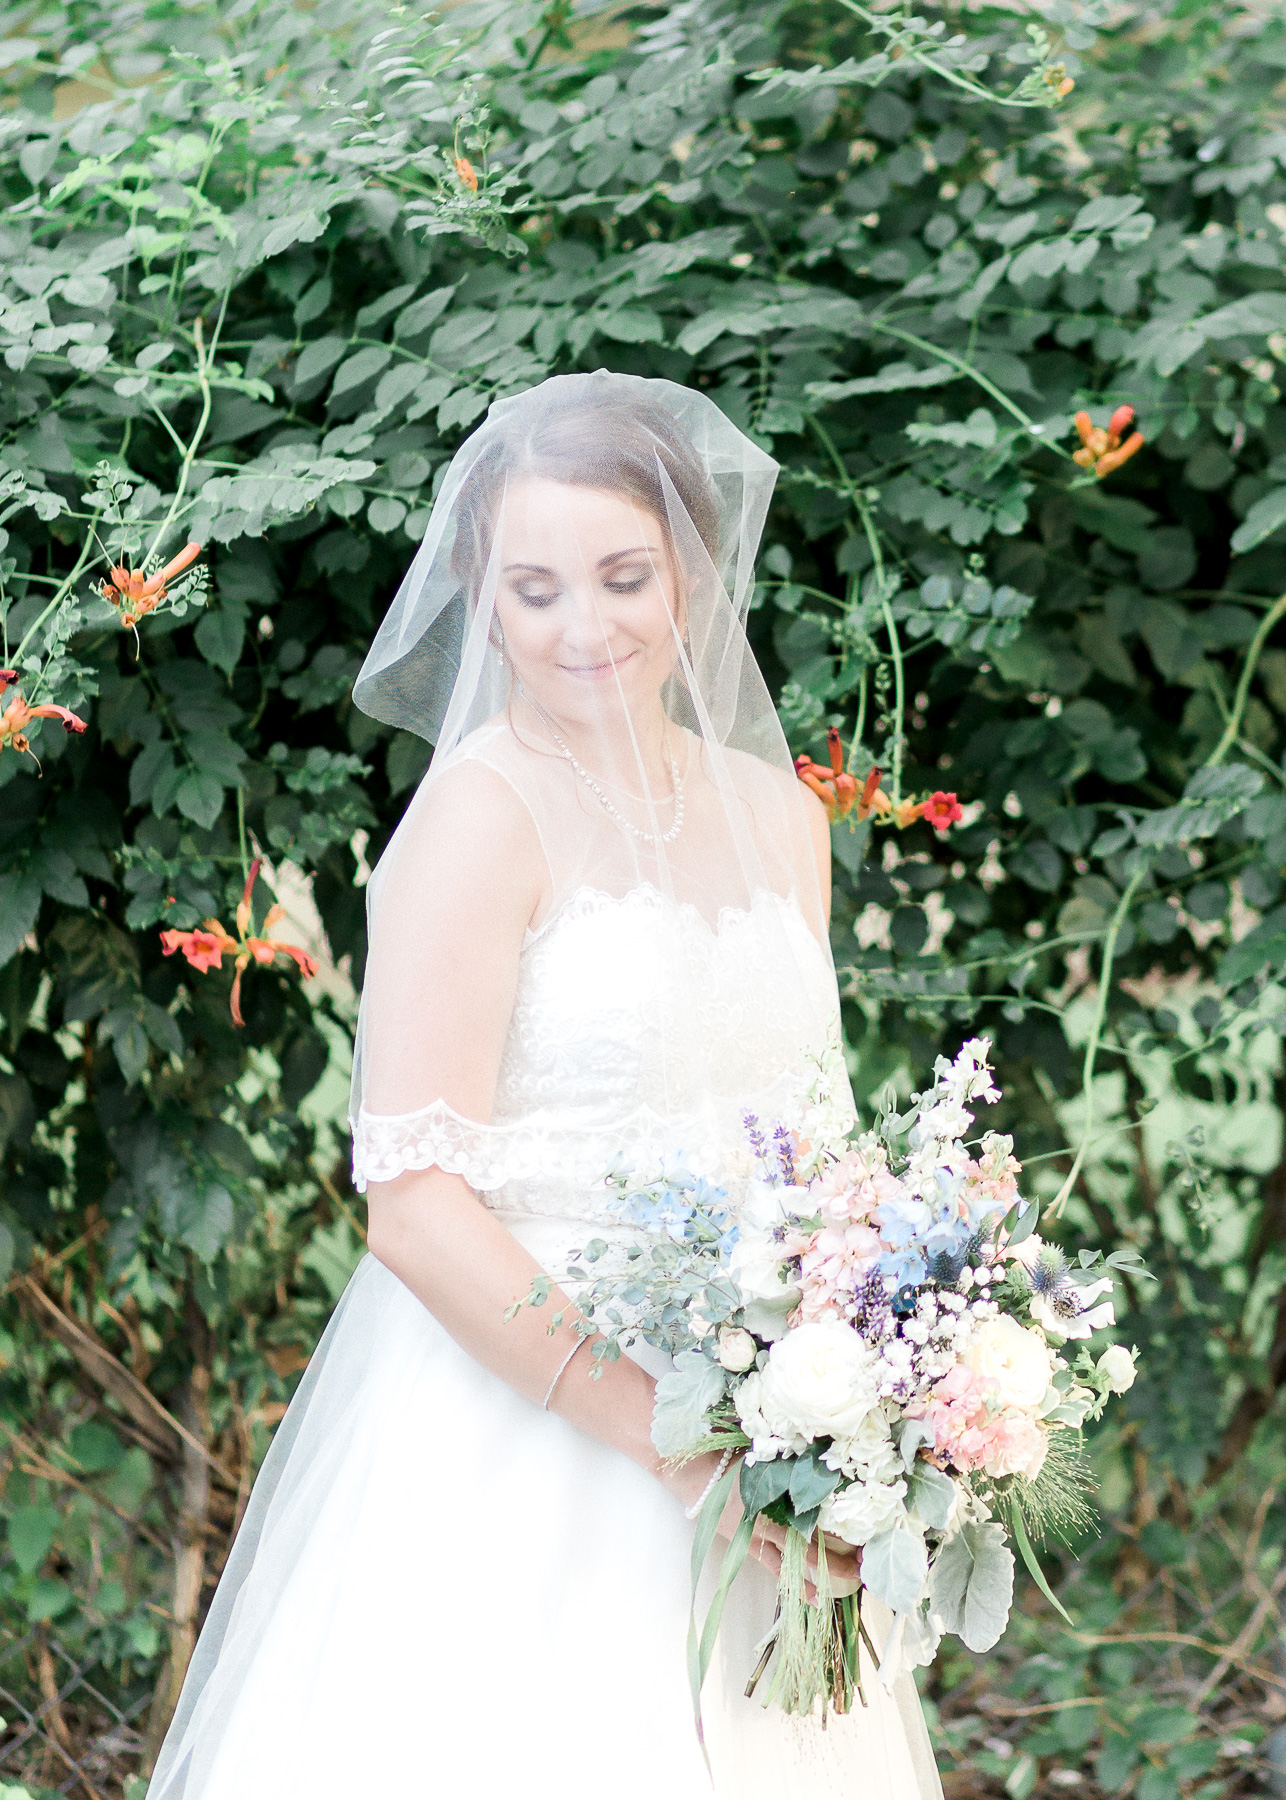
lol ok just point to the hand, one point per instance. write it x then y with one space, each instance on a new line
767 1539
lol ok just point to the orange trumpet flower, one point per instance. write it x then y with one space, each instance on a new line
467 173
835 788
1102 450
17 715
136 593
942 810
206 947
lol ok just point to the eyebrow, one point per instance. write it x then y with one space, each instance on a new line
604 562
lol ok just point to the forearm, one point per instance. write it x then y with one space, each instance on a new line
431 1230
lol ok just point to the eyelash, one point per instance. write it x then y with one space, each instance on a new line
613 587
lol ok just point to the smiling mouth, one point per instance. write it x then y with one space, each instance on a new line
596 671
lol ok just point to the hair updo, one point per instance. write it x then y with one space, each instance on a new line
583 434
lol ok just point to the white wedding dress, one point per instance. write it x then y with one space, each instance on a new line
440 1591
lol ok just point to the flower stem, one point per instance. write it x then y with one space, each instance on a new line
64 588
1096 1032
1233 727
241 833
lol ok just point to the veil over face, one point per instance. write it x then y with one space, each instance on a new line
574 622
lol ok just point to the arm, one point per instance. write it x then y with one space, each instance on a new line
440 992
464 883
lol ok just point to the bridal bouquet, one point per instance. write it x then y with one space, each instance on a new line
878 1333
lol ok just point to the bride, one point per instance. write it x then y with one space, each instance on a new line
598 933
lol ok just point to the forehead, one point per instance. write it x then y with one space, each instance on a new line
545 521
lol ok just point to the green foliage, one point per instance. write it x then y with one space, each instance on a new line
250 297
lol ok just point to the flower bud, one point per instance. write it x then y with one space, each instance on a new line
1116 1367
737 1350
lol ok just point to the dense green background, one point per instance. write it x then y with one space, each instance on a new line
241 275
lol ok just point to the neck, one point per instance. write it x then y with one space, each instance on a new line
623 750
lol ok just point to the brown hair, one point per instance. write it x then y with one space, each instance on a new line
584 435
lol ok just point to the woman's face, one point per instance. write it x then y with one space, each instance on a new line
586 600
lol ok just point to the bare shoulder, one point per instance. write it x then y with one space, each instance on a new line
468 834
775 796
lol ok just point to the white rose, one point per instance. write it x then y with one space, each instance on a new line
1015 1359
858 1512
737 1350
818 1381
1116 1366
756 1267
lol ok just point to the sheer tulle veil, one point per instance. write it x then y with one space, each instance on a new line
597 934
575 619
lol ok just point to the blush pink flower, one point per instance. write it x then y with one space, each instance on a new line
971 1432
850 1190
833 1263
1016 1446
993 1174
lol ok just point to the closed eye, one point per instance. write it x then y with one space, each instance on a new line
535 595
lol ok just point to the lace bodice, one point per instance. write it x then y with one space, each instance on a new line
639 1029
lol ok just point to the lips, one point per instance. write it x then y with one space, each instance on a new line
597 671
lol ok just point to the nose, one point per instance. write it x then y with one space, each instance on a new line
585 629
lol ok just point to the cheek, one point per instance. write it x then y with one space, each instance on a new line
528 632
655 625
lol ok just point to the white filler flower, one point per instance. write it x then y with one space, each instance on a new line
859 1512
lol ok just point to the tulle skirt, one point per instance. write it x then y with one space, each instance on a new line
441 1590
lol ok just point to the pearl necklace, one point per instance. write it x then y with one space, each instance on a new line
647 837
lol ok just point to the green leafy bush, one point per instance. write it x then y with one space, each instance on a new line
260 270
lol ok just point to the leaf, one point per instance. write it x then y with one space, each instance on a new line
930 1495
219 636
318 358
363 367
811 1481
333 1253
1263 519
200 798
895 1564
202 1218
1263 947
31 1534
914 1436
632 325
1107 212
891 378
763 1482
978 429
684 1395
1211 798
1033 1566
971 1584
421 313
19 909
